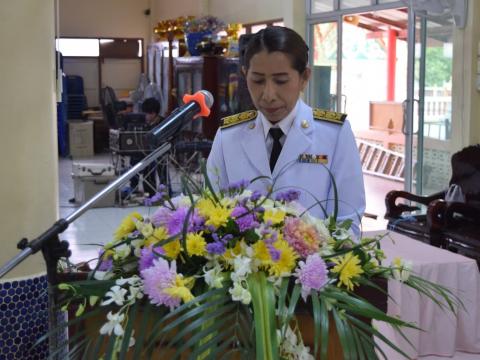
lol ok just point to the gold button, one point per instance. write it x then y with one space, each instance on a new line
251 125
305 124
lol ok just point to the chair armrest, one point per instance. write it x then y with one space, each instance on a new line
436 214
395 211
468 213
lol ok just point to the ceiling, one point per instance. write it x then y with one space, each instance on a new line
439 28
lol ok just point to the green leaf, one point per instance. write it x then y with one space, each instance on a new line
132 313
325 324
317 318
263 301
193 326
344 336
147 308
369 329
193 340
111 343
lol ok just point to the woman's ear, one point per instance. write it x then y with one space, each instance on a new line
244 71
305 77
306 74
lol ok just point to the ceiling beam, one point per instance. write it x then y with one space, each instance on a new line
397 24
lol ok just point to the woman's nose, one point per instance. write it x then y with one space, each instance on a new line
269 93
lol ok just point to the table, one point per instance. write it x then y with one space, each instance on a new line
444 333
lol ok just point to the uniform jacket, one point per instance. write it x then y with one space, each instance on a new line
239 153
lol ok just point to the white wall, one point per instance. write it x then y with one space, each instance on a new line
28 141
102 18
167 9
246 11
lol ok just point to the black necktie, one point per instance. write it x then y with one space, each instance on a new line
276 134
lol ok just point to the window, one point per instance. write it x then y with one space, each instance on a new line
78 47
97 47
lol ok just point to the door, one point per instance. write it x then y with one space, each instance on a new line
359 67
390 71
431 105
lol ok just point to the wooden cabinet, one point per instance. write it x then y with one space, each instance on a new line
222 78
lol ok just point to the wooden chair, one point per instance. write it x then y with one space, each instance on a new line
451 225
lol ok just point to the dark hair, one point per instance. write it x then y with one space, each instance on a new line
151 105
279 38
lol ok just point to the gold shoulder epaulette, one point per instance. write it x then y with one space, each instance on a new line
238 118
331 116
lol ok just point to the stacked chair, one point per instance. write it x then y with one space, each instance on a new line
76 99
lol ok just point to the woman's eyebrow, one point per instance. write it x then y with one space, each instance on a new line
274 74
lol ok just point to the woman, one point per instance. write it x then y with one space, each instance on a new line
310 141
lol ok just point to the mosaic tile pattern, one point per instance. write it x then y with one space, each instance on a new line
23 318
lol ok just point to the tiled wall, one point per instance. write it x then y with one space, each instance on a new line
23 318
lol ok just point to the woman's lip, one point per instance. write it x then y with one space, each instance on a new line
271 110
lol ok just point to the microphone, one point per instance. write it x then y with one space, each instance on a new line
196 105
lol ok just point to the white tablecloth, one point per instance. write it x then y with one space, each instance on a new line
444 333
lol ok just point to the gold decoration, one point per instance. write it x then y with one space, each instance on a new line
305 124
172 28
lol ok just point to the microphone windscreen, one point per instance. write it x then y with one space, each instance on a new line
208 98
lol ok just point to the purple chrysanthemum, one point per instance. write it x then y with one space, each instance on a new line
216 248
161 216
177 219
312 274
147 255
243 218
156 279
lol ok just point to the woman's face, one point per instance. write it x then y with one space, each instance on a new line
274 84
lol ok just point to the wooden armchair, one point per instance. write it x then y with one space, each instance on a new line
456 226
451 225
403 219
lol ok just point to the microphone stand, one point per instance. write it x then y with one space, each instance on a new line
53 249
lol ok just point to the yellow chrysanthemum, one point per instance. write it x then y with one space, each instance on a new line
158 235
127 225
205 207
287 260
261 253
218 217
172 249
181 289
235 251
196 244
276 216
348 268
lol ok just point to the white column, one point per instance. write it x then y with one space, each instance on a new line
28 134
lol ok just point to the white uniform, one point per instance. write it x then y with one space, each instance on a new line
239 153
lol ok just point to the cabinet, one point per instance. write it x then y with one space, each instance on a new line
222 78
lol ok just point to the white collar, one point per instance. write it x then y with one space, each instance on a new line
285 124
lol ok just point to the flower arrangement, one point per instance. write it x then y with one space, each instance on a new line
213 273
205 23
